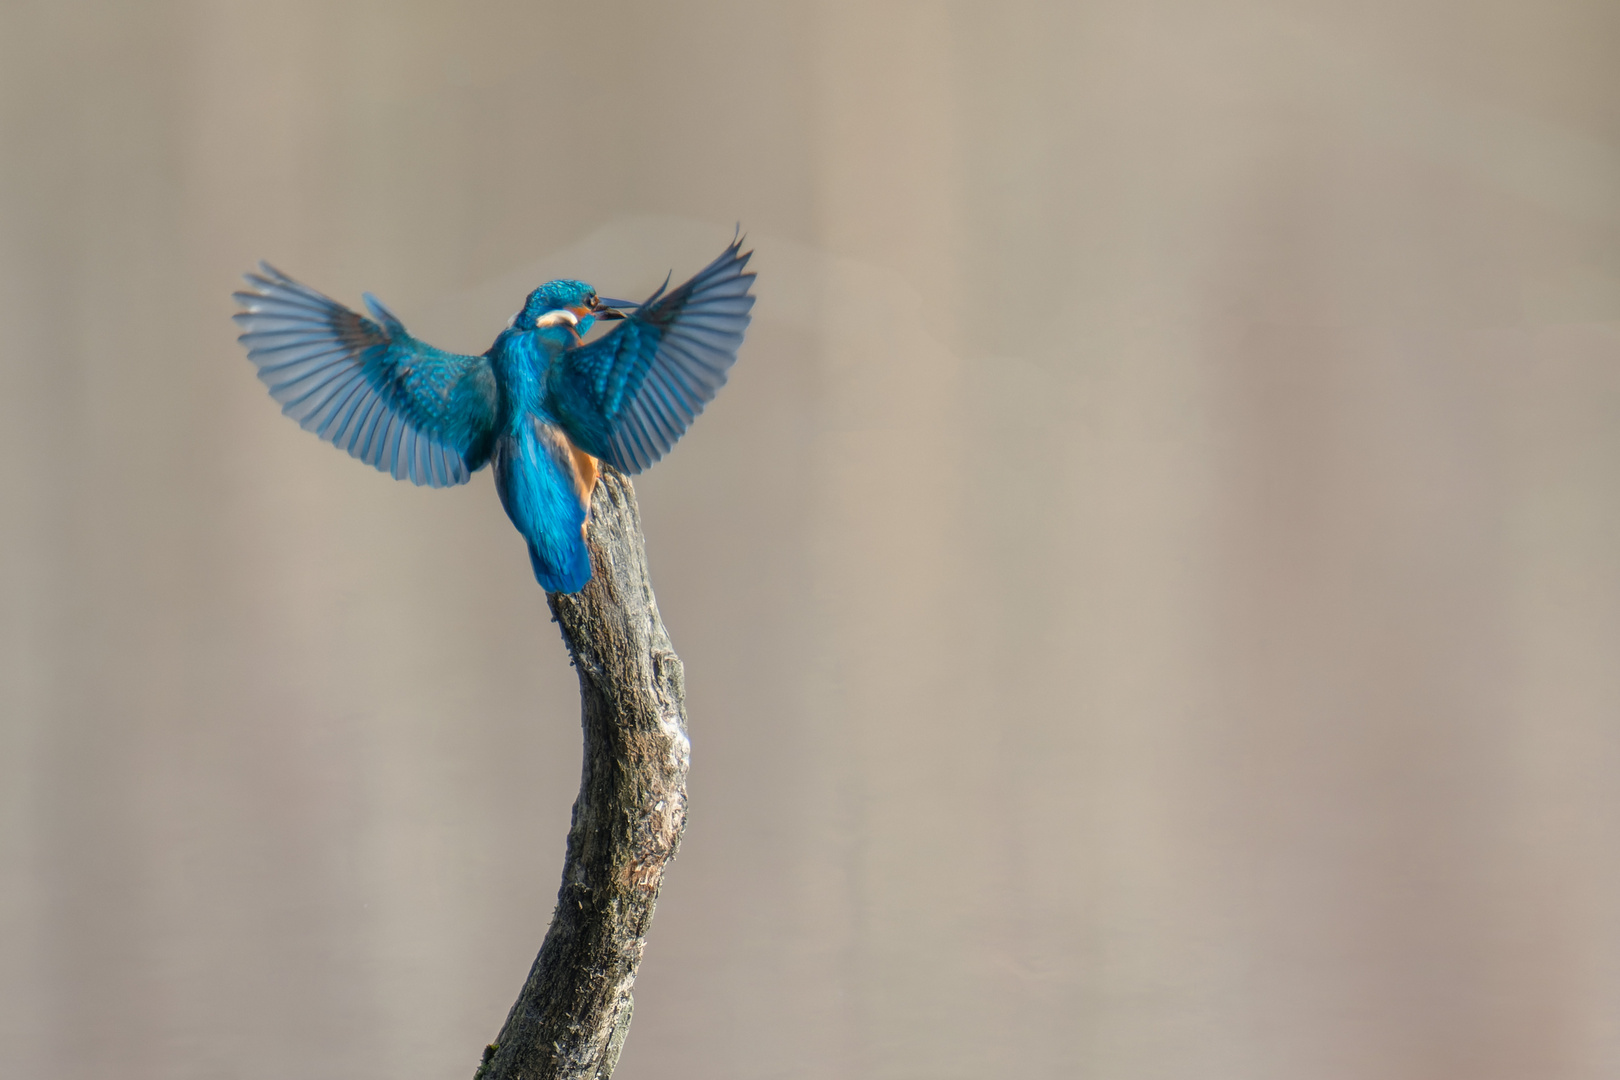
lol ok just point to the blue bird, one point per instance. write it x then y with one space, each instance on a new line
542 403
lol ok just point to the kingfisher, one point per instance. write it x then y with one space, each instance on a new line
542 403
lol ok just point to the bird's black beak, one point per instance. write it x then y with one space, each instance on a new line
608 309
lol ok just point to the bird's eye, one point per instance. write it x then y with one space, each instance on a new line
591 300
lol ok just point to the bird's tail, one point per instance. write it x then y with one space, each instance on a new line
569 573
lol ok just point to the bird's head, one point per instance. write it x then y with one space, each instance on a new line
564 310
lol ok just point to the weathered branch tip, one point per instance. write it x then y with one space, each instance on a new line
571 1018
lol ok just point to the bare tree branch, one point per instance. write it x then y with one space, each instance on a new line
574 1011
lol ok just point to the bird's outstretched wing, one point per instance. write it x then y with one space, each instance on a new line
629 395
372 389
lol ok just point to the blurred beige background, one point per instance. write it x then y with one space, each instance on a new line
1149 593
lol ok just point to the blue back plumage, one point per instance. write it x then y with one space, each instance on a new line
535 477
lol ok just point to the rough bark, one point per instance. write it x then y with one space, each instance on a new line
574 1011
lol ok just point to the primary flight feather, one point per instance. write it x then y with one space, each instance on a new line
541 403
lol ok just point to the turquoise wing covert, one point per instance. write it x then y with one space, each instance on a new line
370 388
629 395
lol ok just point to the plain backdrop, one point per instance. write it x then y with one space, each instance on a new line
1149 592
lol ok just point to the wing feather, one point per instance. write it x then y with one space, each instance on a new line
368 387
628 396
